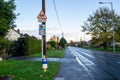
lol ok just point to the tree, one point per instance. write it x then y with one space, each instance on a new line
62 42
100 26
52 43
7 16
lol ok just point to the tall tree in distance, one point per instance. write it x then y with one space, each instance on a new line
63 42
7 16
100 26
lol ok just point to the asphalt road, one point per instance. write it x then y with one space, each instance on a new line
98 65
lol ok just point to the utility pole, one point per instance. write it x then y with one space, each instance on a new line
113 28
44 57
112 23
44 36
42 31
62 34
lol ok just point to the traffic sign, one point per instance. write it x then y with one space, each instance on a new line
41 17
41 31
41 20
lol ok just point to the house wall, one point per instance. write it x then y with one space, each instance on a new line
12 35
1 59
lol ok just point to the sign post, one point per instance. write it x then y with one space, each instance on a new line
42 31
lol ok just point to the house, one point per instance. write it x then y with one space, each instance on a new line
13 35
117 45
0 58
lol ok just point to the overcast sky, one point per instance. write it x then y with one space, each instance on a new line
72 14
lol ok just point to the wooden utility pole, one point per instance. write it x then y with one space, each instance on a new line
44 36
42 31
44 57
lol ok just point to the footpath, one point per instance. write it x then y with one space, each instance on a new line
71 70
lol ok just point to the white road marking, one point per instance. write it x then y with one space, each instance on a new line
82 58
85 68
118 62
88 55
91 55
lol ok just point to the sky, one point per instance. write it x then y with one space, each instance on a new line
72 14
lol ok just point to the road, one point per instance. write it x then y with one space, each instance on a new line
98 65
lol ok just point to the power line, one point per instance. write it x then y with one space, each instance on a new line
58 17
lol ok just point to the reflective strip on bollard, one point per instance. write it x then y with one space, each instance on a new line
44 63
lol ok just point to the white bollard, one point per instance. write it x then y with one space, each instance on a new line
44 64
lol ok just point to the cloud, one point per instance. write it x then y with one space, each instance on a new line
52 28
75 36
6 0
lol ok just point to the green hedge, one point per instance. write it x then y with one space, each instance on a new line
30 45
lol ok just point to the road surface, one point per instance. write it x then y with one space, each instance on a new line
98 65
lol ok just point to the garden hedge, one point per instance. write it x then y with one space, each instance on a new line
30 45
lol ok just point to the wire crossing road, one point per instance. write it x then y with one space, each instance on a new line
98 65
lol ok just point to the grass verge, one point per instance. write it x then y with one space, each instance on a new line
28 70
117 50
51 54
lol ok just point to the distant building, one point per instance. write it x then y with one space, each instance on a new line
55 38
1 59
13 35
117 45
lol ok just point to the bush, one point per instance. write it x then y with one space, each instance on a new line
30 45
49 47
4 45
52 43
15 49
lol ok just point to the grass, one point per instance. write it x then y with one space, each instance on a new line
51 54
28 70
117 50
31 70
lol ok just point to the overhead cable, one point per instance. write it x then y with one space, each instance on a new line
57 16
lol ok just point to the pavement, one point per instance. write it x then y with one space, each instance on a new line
6 78
71 70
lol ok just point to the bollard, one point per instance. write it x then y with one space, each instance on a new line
44 63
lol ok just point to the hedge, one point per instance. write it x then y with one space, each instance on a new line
30 45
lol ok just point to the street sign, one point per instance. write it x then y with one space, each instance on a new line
41 30
41 17
41 20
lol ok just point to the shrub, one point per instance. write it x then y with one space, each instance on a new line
4 45
49 47
52 43
30 45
